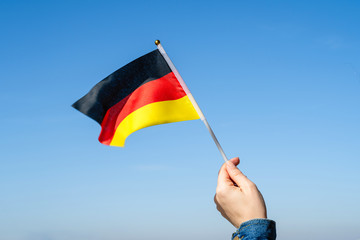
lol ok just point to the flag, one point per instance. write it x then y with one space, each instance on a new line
143 93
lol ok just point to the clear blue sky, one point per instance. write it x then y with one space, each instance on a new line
279 82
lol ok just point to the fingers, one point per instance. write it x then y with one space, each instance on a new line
235 174
224 178
220 208
235 160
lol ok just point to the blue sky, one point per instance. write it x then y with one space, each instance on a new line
279 82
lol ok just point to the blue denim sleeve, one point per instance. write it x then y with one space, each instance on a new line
256 229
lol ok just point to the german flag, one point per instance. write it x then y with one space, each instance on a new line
143 93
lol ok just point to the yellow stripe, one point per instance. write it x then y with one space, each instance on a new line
154 114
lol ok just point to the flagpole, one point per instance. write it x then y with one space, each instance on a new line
192 99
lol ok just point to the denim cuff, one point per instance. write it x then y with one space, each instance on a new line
259 229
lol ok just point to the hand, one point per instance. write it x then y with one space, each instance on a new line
237 198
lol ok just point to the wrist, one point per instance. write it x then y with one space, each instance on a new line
258 228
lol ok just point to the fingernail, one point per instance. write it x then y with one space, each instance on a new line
230 164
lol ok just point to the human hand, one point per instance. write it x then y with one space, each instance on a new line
237 198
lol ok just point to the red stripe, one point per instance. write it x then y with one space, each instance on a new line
162 89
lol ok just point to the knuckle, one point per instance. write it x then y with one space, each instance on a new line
219 192
218 208
252 186
215 199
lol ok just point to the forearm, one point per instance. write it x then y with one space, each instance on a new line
259 229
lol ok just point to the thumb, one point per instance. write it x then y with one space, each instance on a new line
235 174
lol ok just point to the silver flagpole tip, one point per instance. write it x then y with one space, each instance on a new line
157 42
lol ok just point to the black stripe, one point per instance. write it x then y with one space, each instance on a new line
121 83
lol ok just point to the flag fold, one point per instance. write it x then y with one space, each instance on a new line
143 93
